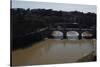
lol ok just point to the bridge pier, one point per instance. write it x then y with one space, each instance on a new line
80 37
64 35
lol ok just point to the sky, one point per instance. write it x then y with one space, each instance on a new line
54 6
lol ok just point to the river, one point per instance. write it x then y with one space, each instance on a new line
51 51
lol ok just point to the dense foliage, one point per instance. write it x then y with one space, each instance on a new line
28 20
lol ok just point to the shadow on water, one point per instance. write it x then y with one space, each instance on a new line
25 41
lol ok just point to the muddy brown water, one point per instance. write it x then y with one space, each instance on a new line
51 51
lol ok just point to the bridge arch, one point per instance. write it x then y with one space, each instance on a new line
57 34
86 35
72 35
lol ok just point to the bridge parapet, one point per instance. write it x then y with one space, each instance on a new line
72 29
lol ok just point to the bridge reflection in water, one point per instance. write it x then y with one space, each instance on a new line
52 51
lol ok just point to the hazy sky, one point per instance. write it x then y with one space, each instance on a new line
54 6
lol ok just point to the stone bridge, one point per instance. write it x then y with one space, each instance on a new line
64 28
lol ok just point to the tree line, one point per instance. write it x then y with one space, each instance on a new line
28 20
